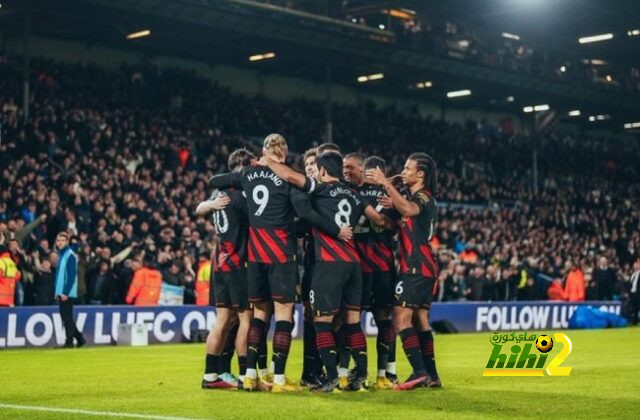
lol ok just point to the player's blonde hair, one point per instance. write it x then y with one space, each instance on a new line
276 144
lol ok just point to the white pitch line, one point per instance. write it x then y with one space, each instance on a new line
89 412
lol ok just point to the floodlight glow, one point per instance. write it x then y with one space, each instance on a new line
511 36
376 76
458 93
634 32
422 85
139 34
595 38
265 56
574 113
632 125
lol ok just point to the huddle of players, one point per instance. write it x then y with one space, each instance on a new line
347 227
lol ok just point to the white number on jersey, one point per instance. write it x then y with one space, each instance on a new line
343 216
221 221
261 198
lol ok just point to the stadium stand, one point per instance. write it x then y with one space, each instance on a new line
120 158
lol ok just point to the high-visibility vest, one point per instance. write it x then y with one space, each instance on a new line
574 289
469 256
9 275
145 288
203 287
555 291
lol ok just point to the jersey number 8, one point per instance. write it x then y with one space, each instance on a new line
343 216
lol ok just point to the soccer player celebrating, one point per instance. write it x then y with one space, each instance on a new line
375 246
230 282
337 277
311 365
272 272
418 269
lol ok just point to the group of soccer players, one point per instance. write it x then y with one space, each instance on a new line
346 212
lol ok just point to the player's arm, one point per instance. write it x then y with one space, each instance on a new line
378 218
219 203
228 180
405 207
302 205
286 173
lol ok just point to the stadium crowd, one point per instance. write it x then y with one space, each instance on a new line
120 158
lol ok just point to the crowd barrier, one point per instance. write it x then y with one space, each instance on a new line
41 326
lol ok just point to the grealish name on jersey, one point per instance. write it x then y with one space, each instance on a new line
265 175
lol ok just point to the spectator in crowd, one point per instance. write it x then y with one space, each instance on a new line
605 279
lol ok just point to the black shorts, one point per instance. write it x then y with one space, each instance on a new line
377 290
230 289
272 282
335 285
414 291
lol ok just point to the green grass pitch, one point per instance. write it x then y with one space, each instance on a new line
164 380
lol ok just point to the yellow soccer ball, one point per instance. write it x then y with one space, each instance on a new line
544 343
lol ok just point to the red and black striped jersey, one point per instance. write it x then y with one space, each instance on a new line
232 228
374 243
415 255
270 212
337 203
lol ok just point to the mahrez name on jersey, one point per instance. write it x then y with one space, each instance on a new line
264 174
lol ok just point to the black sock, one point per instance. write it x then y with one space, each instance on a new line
344 352
254 341
384 340
428 353
242 365
411 345
227 352
211 363
358 344
262 351
310 350
281 346
392 349
327 348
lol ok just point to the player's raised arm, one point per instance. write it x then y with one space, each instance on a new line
404 206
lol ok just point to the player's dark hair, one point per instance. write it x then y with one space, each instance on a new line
425 163
310 152
359 156
325 147
373 162
239 159
331 162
